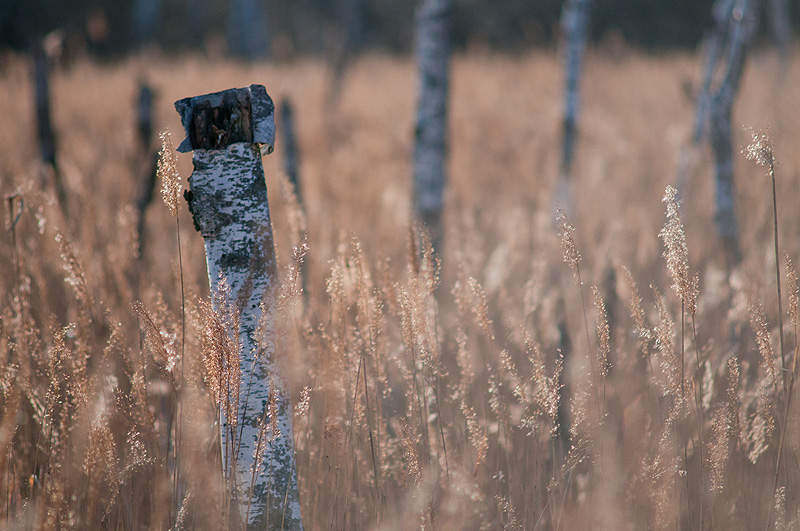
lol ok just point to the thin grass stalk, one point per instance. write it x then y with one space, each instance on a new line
593 365
760 151
778 270
13 220
793 309
572 257
700 421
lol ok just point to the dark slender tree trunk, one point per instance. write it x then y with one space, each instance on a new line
431 139
148 159
248 31
146 17
291 154
780 25
354 18
44 126
198 21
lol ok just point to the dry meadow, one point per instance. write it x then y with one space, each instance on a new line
481 387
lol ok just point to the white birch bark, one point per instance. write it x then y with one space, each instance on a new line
574 24
742 16
228 202
431 143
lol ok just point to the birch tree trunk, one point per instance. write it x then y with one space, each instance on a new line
574 24
431 143
248 31
742 16
713 46
228 202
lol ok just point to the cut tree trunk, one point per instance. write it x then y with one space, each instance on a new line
431 142
228 202
148 158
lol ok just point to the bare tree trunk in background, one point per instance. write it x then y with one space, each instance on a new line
146 16
352 14
431 143
44 125
198 21
742 20
354 18
144 128
47 137
291 154
228 202
248 31
713 45
574 24
780 25
716 43
291 165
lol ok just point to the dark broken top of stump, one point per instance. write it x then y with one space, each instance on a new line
217 120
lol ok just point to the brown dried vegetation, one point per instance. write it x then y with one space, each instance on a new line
471 388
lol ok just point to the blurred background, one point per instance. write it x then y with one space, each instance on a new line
111 28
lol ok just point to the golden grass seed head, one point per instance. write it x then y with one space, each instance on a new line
303 405
677 254
760 150
569 248
766 361
794 292
603 334
169 175
665 343
718 449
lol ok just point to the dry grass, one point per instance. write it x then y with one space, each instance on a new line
480 389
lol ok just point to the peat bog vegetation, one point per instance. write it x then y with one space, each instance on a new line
479 387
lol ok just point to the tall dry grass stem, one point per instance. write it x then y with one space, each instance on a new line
170 192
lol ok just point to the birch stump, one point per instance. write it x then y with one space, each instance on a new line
228 202
430 146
